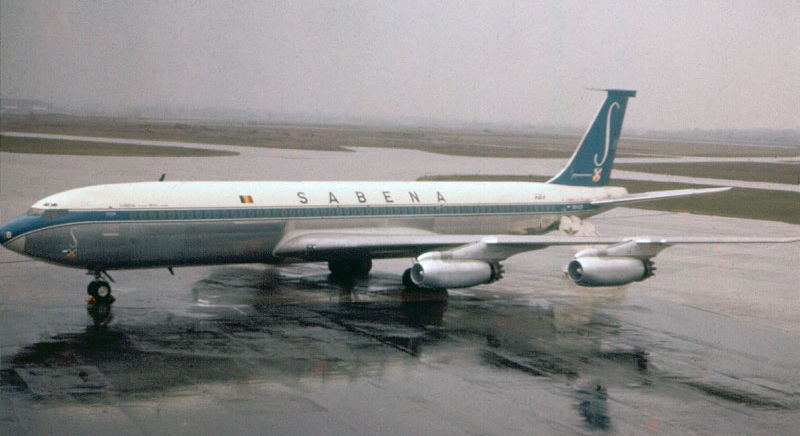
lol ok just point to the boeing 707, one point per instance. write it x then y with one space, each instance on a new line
457 233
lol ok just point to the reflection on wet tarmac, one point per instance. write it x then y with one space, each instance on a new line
594 406
100 312
257 324
260 325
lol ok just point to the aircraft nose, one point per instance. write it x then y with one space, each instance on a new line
7 239
17 244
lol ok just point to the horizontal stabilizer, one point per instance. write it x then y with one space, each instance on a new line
658 195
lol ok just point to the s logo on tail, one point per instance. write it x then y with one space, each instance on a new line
591 164
608 135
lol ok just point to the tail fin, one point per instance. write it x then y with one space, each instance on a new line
592 161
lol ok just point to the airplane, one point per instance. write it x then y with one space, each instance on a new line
457 233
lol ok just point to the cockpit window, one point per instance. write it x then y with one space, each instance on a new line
55 213
48 213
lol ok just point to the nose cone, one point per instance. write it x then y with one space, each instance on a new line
5 234
8 239
17 244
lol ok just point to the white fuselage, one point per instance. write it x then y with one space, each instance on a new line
154 224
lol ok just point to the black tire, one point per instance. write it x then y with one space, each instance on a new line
103 290
350 267
100 290
92 289
339 268
363 266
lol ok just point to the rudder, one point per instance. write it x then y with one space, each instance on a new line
591 163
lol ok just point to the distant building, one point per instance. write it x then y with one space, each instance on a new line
17 106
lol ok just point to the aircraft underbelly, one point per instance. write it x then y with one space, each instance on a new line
142 245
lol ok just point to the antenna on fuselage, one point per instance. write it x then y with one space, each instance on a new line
163 176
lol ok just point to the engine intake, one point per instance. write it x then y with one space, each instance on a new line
453 273
608 271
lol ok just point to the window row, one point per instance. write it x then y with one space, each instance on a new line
337 211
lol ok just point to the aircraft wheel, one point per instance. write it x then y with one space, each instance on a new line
339 268
350 267
101 291
363 266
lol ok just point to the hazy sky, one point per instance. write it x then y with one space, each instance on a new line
696 64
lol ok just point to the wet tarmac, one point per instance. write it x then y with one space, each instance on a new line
710 345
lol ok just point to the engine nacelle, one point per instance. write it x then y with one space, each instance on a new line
451 273
608 271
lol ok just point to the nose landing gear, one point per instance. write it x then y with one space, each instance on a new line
98 305
99 290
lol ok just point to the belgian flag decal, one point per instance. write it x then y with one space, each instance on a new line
246 199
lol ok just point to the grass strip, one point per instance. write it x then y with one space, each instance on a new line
12 144
787 173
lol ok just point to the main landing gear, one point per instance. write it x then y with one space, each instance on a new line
100 290
348 268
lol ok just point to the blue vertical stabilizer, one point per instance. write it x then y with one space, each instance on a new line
591 164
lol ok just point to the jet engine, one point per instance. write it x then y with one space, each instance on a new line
609 271
453 273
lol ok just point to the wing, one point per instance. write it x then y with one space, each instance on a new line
402 242
640 247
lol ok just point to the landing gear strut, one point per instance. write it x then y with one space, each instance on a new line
99 289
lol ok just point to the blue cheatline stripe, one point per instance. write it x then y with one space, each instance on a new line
26 223
354 211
